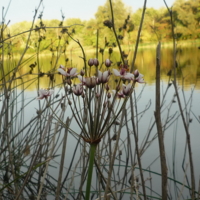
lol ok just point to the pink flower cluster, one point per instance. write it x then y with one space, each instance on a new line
136 76
100 78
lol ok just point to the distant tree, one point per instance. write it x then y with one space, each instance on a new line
187 18
163 25
156 26
89 33
17 28
104 14
76 23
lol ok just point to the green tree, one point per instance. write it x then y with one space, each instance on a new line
120 15
186 14
89 33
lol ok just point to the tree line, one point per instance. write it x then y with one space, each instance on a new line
156 26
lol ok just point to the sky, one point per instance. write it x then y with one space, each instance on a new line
23 10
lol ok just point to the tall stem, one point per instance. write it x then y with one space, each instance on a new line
159 126
90 170
138 35
114 30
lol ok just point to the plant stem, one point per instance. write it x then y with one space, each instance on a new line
157 114
114 30
138 35
90 170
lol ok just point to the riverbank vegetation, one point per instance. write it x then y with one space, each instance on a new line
156 26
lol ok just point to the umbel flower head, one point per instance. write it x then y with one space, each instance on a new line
44 93
97 109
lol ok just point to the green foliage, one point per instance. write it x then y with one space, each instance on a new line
156 26
187 19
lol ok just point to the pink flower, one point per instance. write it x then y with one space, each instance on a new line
138 77
123 74
71 72
78 89
127 89
44 93
89 82
103 76
120 94
82 72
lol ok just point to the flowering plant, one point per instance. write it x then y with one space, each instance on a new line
94 114
99 105
44 93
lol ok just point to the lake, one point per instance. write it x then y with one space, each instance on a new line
125 165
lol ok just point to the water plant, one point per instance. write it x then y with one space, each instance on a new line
98 105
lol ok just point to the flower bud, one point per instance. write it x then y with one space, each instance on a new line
136 73
91 62
107 87
96 62
101 50
120 37
82 72
110 50
108 23
108 62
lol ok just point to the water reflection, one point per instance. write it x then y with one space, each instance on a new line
188 62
